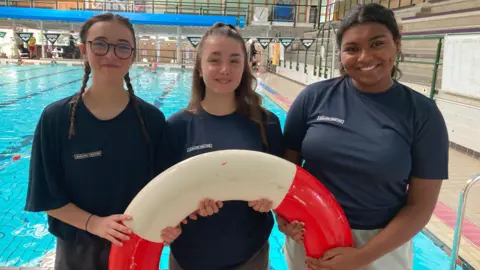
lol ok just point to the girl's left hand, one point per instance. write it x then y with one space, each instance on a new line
344 258
169 234
262 205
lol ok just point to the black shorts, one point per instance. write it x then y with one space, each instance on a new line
82 254
259 261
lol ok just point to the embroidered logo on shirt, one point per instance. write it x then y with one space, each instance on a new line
87 155
330 119
199 147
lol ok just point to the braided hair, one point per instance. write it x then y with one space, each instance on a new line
107 17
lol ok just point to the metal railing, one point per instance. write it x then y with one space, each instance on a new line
267 13
324 58
341 8
436 62
331 30
326 10
166 56
460 217
143 55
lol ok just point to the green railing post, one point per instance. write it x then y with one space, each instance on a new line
291 51
305 65
298 55
316 51
247 18
326 52
295 16
397 60
315 57
435 68
321 44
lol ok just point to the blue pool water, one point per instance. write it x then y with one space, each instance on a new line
26 90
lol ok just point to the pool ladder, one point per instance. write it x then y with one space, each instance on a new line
459 222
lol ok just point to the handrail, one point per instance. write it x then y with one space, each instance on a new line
422 37
460 217
341 9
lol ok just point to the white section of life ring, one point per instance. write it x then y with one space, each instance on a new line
219 175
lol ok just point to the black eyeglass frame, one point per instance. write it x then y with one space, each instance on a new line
132 49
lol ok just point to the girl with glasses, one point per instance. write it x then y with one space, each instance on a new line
224 113
93 151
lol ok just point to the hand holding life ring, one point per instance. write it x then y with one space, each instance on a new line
229 175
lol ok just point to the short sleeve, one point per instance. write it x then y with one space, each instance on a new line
296 123
430 146
161 148
176 137
273 129
44 187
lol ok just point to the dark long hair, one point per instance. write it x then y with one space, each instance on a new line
248 101
370 13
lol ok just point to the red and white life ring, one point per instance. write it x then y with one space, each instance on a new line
229 175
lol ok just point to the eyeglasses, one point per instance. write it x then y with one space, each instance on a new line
101 48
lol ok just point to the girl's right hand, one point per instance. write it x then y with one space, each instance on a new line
206 208
209 207
294 229
110 228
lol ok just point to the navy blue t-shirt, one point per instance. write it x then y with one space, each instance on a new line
232 236
100 169
364 147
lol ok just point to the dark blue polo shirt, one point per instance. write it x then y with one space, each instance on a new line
100 169
365 147
232 236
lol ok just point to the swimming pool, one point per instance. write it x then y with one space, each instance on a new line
26 90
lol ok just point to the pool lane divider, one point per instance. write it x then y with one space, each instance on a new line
40 76
24 70
159 101
13 149
15 100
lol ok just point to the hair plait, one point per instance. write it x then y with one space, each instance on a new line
83 37
74 103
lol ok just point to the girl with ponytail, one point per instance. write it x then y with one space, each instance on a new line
224 113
